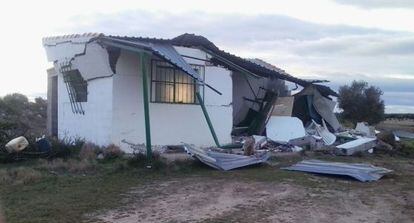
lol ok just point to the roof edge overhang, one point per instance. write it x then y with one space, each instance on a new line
162 49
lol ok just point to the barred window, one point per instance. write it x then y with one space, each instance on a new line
77 86
171 85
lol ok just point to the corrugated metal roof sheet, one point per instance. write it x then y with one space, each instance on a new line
163 49
225 161
360 171
192 40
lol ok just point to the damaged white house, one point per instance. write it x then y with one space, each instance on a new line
112 89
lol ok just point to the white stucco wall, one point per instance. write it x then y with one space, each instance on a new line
96 124
114 109
171 124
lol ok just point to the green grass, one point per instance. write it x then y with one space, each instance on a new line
65 193
62 195
66 197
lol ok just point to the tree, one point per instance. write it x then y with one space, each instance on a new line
361 102
19 116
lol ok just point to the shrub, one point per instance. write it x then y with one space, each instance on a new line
387 137
88 151
112 151
406 148
65 148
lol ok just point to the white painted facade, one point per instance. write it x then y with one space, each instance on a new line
114 108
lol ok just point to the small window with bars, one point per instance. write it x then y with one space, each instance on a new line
77 86
171 85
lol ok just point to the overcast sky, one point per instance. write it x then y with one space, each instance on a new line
337 40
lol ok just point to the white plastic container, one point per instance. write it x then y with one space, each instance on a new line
17 144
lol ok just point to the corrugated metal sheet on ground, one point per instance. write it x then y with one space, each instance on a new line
360 171
404 134
225 161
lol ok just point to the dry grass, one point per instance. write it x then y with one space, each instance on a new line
71 166
18 176
88 151
397 124
112 151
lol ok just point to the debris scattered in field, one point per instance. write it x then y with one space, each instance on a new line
360 171
225 161
322 131
357 145
364 129
43 144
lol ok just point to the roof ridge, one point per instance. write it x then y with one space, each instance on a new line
71 36
139 38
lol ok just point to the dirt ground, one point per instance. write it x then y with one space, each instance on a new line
296 197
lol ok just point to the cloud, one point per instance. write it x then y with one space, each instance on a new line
372 4
339 53
360 45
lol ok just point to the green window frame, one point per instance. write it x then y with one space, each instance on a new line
172 85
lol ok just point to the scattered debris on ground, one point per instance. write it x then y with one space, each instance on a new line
360 171
225 161
17 144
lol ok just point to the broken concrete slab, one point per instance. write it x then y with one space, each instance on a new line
225 161
283 128
360 171
358 145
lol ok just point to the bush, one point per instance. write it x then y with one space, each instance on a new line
65 148
112 151
19 116
88 151
361 102
406 148
387 137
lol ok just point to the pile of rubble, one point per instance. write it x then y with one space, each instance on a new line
288 134
305 121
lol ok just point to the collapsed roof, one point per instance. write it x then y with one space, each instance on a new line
220 57
164 48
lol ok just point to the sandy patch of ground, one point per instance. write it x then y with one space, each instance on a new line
210 200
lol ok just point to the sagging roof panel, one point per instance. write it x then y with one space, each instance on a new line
220 57
163 49
191 40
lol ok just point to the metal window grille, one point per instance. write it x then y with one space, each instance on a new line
171 85
76 86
